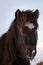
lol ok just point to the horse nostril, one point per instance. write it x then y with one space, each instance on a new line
28 52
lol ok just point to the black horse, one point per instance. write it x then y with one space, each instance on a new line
18 44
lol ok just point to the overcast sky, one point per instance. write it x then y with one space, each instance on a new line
7 14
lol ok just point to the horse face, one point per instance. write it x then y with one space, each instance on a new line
26 34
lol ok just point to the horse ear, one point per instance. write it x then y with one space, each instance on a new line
17 13
36 14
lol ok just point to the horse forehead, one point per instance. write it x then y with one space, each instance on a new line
30 25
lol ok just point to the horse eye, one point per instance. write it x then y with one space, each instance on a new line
26 30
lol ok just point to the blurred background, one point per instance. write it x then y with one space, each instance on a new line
7 14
